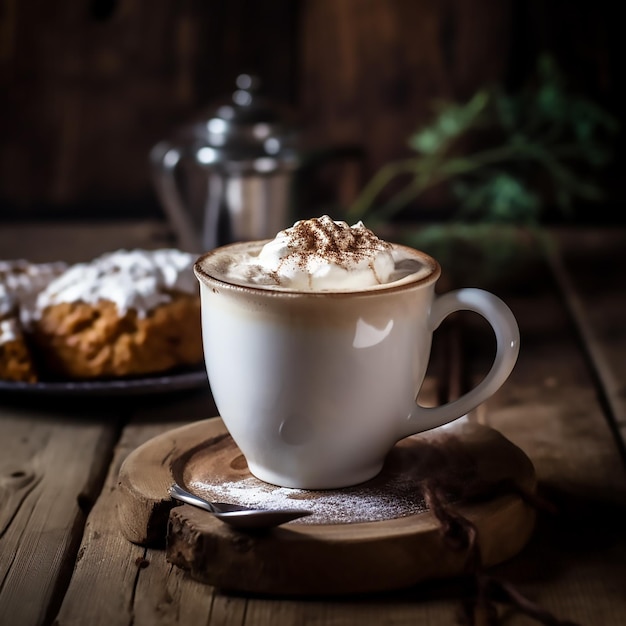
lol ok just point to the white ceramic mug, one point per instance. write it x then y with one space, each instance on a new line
316 388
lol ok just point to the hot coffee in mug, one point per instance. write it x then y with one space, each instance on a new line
316 345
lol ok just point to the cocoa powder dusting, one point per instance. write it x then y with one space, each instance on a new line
336 242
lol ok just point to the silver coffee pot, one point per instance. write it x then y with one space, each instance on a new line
246 153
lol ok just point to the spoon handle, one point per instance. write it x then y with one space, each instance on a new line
177 492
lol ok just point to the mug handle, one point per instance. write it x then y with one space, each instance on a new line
506 330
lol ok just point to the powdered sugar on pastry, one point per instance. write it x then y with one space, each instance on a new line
21 278
7 301
21 281
132 279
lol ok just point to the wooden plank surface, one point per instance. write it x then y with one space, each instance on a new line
116 583
591 263
75 242
552 408
119 583
90 88
51 469
54 451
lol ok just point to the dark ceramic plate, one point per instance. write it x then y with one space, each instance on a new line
123 387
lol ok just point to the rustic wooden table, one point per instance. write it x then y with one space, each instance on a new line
63 560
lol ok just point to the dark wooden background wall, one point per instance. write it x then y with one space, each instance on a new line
88 86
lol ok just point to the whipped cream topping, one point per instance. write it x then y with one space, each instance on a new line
319 254
132 279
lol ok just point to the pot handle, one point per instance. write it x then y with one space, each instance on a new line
506 330
164 159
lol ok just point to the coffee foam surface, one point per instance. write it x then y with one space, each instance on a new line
317 255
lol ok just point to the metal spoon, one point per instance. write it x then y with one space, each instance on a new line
236 515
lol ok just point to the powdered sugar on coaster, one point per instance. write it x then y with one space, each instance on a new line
218 472
400 496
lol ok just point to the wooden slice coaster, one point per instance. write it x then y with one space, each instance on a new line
372 537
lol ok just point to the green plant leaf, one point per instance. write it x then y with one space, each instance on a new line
542 132
452 121
508 110
501 198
